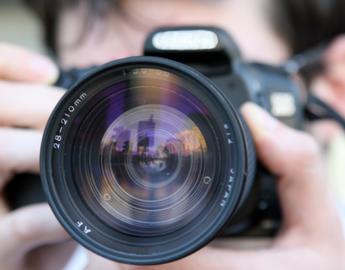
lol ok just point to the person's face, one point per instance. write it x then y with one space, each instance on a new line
122 33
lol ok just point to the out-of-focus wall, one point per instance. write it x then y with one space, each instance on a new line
19 26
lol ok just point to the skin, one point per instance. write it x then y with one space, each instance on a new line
312 235
23 116
123 34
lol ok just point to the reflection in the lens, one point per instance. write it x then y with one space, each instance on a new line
145 154
152 165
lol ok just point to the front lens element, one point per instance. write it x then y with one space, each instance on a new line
141 159
148 175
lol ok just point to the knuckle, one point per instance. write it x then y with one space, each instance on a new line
310 149
23 227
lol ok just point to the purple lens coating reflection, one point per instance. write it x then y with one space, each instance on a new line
145 151
152 166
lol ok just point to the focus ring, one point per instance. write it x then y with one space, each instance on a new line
251 159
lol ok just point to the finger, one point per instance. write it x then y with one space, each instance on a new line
210 258
19 152
222 259
336 51
23 105
294 157
335 62
54 256
325 131
96 262
335 73
21 65
214 259
29 227
331 91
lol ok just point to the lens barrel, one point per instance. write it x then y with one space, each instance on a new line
144 160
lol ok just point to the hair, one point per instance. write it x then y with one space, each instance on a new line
301 23
48 11
304 24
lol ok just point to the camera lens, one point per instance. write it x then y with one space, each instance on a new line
151 160
144 161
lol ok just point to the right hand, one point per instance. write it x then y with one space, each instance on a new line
312 236
26 101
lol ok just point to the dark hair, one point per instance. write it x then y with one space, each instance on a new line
301 23
307 23
49 11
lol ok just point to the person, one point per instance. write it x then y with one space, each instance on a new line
84 33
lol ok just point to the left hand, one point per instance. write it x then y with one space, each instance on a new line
30 237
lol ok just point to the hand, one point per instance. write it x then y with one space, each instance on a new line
26 101
332 82
311 238
330 87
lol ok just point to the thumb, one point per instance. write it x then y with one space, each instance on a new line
294 157
29 227
21 65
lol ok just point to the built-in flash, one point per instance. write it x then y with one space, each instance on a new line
180 40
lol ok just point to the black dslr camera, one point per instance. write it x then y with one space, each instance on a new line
147 159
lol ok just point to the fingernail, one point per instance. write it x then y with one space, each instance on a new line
44 69
260 122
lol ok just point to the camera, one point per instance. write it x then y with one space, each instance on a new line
147 159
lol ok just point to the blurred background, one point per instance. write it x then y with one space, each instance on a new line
19 26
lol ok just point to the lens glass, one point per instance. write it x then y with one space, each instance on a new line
144 155
152 159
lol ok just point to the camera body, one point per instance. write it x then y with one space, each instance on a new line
208 57
270 87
